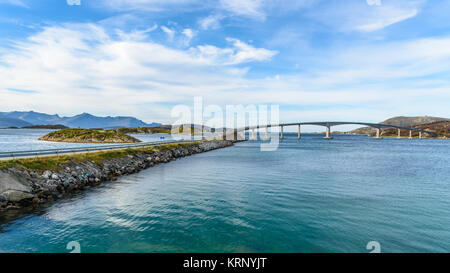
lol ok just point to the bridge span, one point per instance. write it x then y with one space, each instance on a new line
328 124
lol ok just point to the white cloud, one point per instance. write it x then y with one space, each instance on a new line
14 2
82 68
189 34
247 8
170 32
220 9
357 15
136 34
148 5
247 53
394 60
251 8
211 22
387 17
240 53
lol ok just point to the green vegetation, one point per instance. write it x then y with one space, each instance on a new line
440 128
146 130
55 163
89 136
409 122
165 129
56 126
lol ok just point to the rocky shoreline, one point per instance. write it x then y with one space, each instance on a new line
24 188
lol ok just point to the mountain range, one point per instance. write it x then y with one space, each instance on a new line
85 120
402 122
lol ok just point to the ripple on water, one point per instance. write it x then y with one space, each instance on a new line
308 196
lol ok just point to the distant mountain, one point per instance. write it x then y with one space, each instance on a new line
32 117
440 128
400 121
12 122
411 121
85 120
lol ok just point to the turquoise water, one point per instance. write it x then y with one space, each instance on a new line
310 195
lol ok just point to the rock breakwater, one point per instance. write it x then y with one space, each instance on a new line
20 187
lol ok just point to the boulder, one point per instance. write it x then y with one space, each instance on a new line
47 174
17 196
12 181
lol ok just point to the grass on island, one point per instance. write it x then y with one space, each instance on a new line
166 129
55 163
89 136
441 129
145 130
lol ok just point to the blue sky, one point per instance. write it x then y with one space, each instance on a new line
362 60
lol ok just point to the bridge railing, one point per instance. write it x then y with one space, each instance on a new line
31 153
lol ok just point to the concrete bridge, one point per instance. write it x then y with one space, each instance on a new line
328 124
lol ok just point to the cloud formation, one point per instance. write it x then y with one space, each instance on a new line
170 32
14 2
387 16
82 66
357 15
317 59
250 8
211 22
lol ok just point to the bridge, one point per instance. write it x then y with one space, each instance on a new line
328 124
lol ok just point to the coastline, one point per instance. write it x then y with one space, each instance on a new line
25 183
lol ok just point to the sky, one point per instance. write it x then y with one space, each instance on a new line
347 60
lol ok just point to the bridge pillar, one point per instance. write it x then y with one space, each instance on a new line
420 135
253 137
266 136
378 136
281 135
328 134
299 135
235 135
410 134
398 133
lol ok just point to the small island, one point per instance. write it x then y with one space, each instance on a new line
51 126
89 136
163 129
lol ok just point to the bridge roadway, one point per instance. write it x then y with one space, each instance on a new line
329 124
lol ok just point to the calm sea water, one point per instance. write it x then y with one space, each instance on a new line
27 139
311 195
